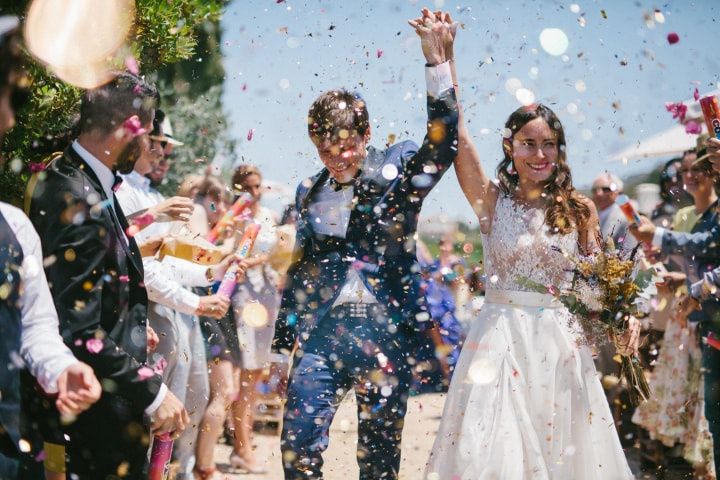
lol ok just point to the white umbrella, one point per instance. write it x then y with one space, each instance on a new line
667 143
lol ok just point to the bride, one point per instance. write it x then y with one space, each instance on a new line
525 401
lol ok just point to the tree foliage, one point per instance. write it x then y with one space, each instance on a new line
175 42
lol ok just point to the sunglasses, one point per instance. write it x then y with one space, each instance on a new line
692 171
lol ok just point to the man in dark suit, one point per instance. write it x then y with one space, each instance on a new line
352 303
95 273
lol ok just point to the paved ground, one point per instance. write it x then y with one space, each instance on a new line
421 424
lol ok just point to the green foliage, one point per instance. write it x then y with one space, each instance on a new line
201 125
166 32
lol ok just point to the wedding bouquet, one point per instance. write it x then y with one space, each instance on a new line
609 289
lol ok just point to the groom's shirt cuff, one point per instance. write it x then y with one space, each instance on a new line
658 237
150 409
438 79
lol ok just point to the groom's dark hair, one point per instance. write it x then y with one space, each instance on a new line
335 111
106 108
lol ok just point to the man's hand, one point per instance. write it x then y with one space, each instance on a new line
685 306
673 280
78 388
643 232
213 306
174 208
170 417
713 149
437 35
150 246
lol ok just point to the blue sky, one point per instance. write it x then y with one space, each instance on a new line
609 91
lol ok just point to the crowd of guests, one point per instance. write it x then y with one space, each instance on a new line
102 309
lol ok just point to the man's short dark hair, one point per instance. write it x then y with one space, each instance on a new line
335 111
105 108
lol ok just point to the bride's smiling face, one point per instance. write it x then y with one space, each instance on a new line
534 151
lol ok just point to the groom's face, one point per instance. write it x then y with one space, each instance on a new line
342 156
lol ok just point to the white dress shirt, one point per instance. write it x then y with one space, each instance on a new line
41 348
165 281
329 210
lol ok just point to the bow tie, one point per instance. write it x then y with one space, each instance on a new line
337 186
116 183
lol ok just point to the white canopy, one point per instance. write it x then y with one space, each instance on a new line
670 142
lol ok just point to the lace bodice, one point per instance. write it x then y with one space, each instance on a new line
519 246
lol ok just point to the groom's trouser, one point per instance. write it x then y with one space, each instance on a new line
348 349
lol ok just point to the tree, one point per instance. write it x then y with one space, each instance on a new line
165 34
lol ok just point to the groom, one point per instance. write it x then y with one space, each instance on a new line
352 306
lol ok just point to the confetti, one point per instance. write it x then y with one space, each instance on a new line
554 41
379 53
250 134
673 38
94 345
145 372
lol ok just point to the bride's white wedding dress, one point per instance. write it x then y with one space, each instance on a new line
525 401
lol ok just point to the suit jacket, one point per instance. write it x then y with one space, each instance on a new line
96 280
701 247
379 238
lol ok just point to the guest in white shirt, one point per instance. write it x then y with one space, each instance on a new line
173 306
28 320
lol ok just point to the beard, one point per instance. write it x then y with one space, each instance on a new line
129 155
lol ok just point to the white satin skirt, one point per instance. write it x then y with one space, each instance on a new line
525 401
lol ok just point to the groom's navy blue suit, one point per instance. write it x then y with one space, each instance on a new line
340 348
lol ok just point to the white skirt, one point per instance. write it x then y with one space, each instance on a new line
525 401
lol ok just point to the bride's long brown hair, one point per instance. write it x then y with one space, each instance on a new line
565 211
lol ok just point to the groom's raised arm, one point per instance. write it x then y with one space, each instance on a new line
424 168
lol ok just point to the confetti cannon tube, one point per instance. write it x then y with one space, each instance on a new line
624 203
227 285
711 112
160 457
243 202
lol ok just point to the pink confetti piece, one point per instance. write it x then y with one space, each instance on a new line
673 38
145 372
144 219
696 94
41 456
250 134
132 65
244 87
94 345
677 109
134 126
693 127
78 342
160 366
124 278
36 167
379 53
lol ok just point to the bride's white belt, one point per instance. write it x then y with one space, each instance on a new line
522 299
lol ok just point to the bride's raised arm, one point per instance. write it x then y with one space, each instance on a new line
475 183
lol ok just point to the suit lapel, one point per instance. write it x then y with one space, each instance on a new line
130 247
